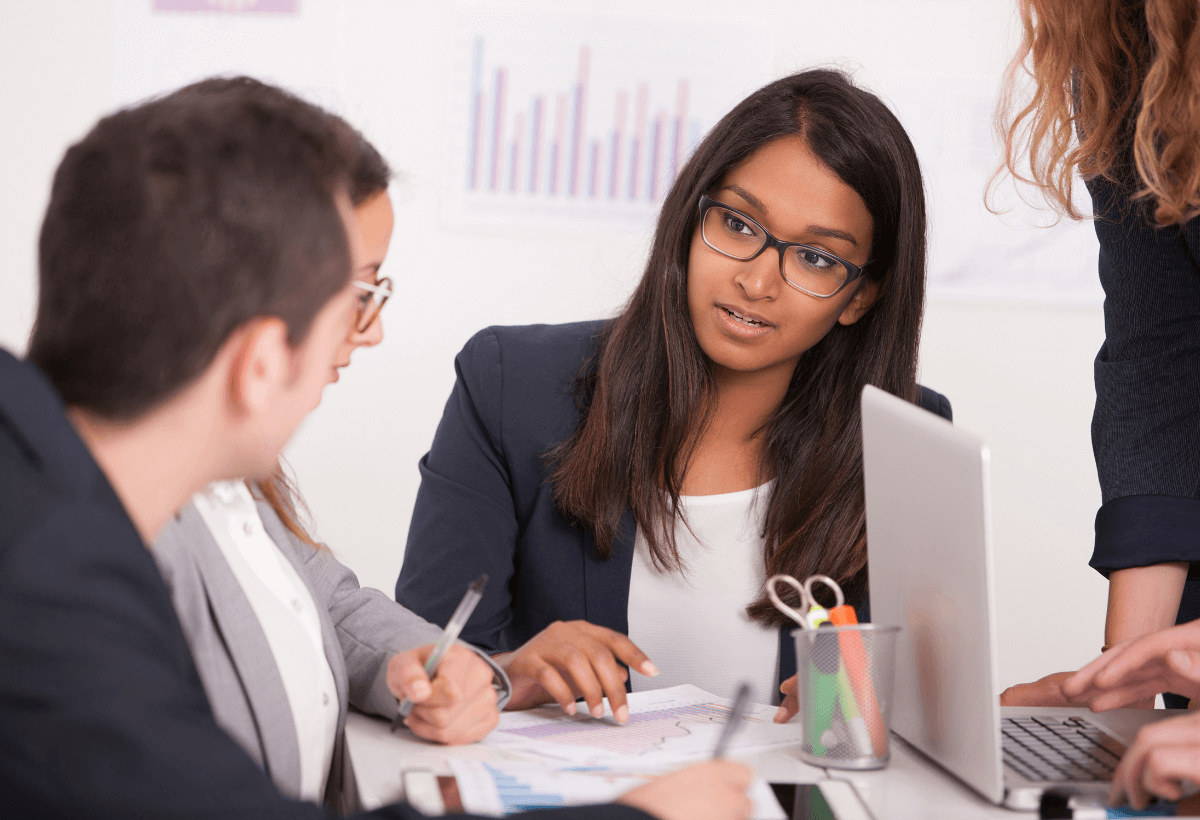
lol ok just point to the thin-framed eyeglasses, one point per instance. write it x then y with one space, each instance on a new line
371 302
810 270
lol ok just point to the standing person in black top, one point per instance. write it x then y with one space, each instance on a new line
1115 99
195 292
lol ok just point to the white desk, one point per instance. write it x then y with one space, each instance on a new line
909 787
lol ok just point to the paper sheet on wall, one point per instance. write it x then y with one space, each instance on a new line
667 728
498 789
566 119
1018 255
160 45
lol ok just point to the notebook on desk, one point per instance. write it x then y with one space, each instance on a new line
930 566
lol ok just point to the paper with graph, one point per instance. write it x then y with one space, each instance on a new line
499 789
666 728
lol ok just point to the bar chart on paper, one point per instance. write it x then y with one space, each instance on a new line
565 117
499 789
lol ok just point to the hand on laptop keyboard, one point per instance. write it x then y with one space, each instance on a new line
1044 692
1164 756
1137 670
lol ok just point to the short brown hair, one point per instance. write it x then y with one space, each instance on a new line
174 222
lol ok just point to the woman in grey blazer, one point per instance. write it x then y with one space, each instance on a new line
256 654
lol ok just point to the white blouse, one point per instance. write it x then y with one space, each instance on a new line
693 624
288 616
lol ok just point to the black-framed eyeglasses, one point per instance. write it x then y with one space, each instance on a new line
371 302
810 270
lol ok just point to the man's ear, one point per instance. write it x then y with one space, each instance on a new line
259 365
860 303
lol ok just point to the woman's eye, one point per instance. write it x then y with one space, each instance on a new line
816 260
736 225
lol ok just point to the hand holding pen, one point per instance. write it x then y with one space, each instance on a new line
445 689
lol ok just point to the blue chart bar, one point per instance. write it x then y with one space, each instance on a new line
516 796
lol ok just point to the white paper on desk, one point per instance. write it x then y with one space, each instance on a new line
498 789
666 728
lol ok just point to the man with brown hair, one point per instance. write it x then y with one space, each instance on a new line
194 290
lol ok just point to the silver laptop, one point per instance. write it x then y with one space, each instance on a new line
930 564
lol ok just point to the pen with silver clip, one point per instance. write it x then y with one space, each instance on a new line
740 701
457 621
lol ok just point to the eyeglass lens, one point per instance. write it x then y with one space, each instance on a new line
730 233
371 302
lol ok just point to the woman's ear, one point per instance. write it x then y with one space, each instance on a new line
860 303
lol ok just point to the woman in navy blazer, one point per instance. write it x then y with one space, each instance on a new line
567 453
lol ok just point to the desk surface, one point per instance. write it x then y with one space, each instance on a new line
910 787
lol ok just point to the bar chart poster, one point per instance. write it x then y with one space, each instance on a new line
564 119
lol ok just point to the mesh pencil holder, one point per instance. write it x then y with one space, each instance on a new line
844 685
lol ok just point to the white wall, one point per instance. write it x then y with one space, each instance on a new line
1020 376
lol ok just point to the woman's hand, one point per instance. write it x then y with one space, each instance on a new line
1045 692
791 702
715 790
457 706
571 659
1163 755
1133 672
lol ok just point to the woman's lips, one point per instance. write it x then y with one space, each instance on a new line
743 324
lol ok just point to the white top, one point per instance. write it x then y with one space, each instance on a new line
693 624
288 616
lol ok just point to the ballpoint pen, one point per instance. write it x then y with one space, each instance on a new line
457 621
740 701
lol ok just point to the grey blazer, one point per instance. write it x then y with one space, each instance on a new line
362 629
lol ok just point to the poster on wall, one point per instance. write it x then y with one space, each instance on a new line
160 45
1021 253
564 119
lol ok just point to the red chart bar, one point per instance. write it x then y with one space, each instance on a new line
681 110
535 144
581 87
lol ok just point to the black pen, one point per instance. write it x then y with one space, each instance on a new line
457 621
740 701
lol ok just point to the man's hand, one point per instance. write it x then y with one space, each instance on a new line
571 659
715 790
457 706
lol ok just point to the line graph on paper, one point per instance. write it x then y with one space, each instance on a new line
665 726
560 116
644 732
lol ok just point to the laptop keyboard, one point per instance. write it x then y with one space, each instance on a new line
1044 748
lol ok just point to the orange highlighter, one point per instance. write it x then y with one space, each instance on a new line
855 658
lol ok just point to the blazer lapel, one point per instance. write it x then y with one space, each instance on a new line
251 656
329 641
606 582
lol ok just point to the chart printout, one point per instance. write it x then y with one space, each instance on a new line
666 727
497 789
161 45
584 120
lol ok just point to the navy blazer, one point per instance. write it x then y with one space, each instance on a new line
102 714
485 502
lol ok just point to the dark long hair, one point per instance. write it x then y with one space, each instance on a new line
649 392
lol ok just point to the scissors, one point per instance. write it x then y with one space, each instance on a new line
814 612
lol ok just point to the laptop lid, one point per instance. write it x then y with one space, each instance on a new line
930 568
